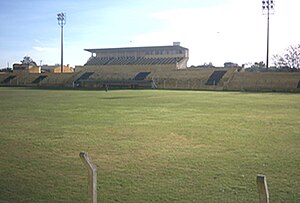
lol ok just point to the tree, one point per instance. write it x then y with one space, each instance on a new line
291 58
28 61
256 67
8 69
260 64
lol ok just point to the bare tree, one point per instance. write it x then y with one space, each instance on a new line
291 58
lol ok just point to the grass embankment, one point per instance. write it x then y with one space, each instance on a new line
158 146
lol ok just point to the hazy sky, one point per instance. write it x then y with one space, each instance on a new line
214 31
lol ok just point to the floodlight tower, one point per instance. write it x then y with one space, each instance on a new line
268 8
61 18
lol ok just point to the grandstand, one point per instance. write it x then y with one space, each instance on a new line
166 68
196 79
20 79
111 79
161 77
7 79
37 80
162 67
266 81
140 56
94 61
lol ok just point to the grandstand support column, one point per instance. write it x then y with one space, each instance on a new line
61 18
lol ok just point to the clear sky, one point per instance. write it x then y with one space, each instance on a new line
214 31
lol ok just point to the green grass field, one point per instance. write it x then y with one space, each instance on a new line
148 145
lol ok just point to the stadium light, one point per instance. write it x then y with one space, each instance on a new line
61 18
268 8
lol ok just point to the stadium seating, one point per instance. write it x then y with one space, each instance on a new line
215 77
84 76
59 79
8 79
39 79
193 78
268 81
99 61
24 79
160 73
141 76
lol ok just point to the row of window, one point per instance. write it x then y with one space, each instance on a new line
164 52
143 53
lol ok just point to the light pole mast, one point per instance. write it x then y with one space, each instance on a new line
61 18
268 6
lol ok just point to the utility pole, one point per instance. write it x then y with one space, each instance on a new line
61 18
268 8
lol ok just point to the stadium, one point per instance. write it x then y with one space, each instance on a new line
159 67
150 138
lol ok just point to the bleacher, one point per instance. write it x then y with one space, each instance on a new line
97 61
58 80
267 81
158 61
36 79
8 79
122 61
85 76
103 78
39 79
163 76
193 78
215 77
141 76
24 79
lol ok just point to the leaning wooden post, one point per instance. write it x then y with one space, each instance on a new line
92 178
263 190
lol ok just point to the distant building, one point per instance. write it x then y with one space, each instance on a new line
27 65
28 68
57 69
230 65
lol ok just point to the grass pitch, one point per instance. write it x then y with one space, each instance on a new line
148 145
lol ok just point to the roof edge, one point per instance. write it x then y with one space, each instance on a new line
132 48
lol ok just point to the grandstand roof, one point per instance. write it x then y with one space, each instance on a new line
136 48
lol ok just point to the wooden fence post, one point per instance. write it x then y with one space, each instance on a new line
92 177
263 190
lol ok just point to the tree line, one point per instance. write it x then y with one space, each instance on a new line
289 61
